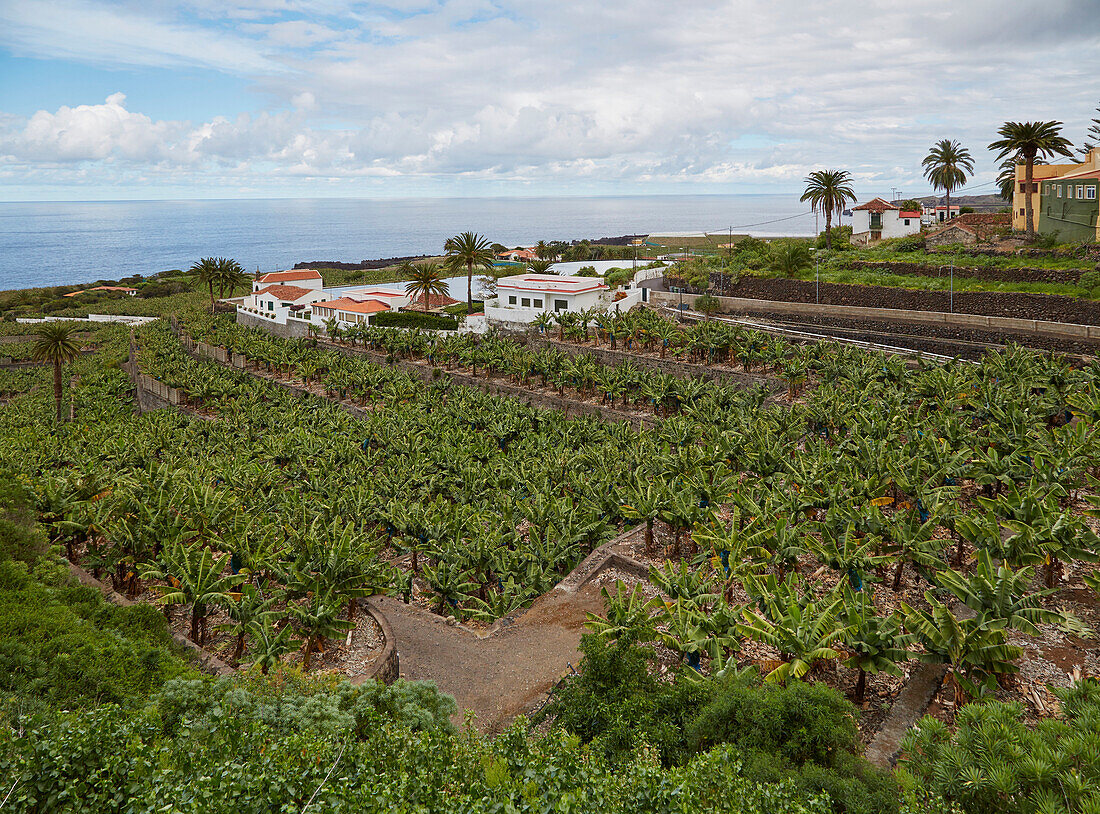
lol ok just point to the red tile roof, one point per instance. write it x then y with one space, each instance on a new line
101 288
434 301
285 292
909 215
354 306
288 276
875 205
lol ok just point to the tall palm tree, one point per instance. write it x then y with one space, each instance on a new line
425 280
55 344
946 166
1092 139
540 266
544 250
828 191
469 250
206 272
1028 140
229 275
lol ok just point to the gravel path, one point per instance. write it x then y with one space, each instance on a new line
500 676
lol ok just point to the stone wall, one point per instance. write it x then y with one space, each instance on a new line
1008 325
387 666
293 329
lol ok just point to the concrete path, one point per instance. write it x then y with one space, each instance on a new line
500 676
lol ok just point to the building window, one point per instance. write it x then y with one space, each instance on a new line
1023 187
1059 188
511 300
270 306
1047 189
1023 211
1035 187
1090 193
907 221
538 303
561 305
525 302
1080 192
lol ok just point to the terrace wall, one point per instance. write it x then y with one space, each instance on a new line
1031 327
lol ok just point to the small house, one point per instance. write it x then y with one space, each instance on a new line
878 220
302 278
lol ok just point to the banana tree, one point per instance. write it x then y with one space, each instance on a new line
192 575
270 642
876 643
317 618
804 630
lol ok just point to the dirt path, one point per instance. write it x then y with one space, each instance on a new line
500 676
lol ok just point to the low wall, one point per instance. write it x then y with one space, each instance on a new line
204 659
293 329
1032 327
1002 274
387 666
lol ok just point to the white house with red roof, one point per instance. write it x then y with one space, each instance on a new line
278 300
349 310
523 297
878 220
301 278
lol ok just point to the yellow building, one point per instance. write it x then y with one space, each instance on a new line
1041 172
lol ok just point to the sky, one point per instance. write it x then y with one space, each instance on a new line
150 99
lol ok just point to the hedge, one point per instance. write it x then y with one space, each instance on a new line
405 319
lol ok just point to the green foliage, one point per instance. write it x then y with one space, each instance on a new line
839 236
708 304
803 734
408 319
994 763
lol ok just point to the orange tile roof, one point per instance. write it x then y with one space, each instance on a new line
434 301
100 288
287 276
285 292
354 306
875 205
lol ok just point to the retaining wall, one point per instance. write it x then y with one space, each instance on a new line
293 329
1030 327
1009 274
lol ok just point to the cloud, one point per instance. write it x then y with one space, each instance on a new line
713 92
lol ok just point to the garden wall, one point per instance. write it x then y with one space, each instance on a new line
995 273
293 329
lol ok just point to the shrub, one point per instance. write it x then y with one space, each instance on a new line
408 319
841 238
587 271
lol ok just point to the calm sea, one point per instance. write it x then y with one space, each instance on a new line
45 244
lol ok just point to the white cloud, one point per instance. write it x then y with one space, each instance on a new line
718 92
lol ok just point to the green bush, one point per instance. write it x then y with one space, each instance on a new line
993 762
407 319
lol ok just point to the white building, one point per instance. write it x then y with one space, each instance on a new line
348 310
302 278
276 301
878 220
933 215
549 292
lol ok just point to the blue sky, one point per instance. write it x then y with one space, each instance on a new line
317 98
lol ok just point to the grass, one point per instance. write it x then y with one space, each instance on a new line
943 283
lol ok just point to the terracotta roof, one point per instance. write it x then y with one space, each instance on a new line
970 229
368 294
985 219
1076 176
288 276
909 214
286 292
434 301
875 205
354 306
101 288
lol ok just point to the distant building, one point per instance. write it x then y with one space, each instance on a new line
1070 207
968 229
130 292
519 255
348 311
878 220
549 292
302 278
1041 174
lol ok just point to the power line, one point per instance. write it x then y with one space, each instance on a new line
762 223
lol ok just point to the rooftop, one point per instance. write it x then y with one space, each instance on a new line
354 306
875 205
434 301
286 292
287 276
551 282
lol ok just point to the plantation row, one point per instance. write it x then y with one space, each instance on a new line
861 492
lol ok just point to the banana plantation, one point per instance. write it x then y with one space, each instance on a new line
855 514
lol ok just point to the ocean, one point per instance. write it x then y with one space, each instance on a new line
64 243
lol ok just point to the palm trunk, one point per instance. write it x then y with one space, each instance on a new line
308 654
1029 169
861 686
238 651
196 618
211 297
828 229
469 287
649 536
57 388
947 203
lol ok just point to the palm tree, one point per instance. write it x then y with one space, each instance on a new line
1006 178
425 280
544 250
1028 140
828 191
946 166
1091 142
540 266
469 250
207 272
229 275
54 344
790 257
